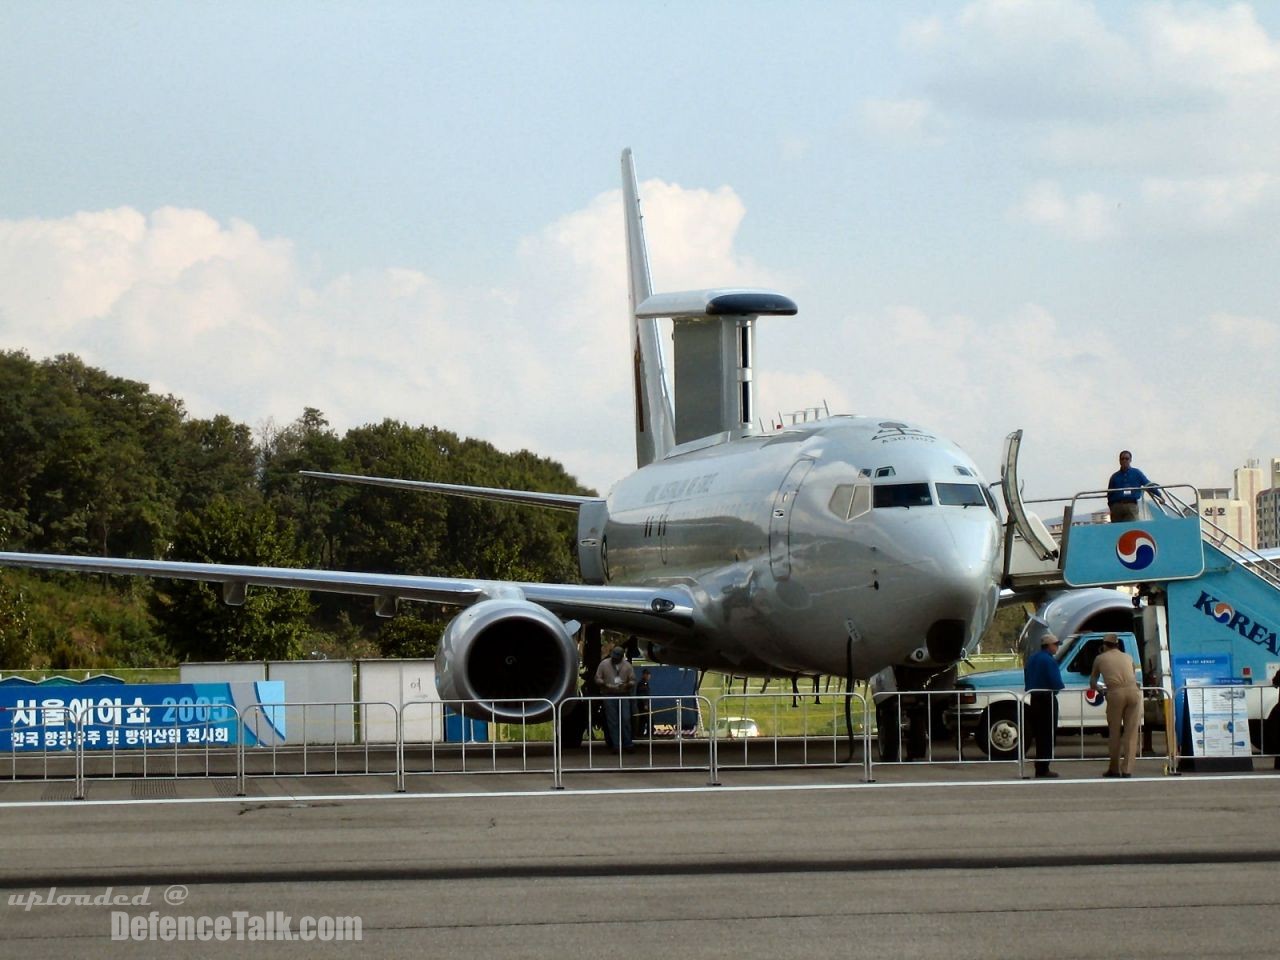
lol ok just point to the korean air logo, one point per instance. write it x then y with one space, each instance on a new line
1094 697
1223 612
1136 549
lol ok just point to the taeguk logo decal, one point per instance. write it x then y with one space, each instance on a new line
1136 549
1223 612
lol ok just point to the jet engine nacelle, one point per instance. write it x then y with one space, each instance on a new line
507 650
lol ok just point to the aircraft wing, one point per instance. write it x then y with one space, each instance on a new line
643 609
556 501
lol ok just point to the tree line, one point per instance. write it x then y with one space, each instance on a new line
96 464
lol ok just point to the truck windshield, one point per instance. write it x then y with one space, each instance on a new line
1064 651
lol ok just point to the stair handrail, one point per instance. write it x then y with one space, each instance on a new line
1233 547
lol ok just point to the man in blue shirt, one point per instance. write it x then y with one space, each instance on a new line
1042 679
1124 490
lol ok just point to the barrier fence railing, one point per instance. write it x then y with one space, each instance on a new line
734 731
1081 713
281 734
664 733
44 738
794 729
151 740
446 735
1228 720
940 731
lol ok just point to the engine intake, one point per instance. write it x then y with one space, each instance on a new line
507 650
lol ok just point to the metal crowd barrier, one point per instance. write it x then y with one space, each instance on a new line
468 754
56 736
762 730
1080 698
181 740
948 736
1232 718
674 739
325 759
675 733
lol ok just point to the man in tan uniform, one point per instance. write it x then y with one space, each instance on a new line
1124 703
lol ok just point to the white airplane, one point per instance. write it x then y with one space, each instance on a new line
844 545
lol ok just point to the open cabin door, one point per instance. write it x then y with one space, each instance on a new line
1033 550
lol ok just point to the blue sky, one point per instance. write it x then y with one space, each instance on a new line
1051 215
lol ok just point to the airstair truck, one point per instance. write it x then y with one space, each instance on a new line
1206 611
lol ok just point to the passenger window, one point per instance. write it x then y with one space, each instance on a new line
960 495
902 495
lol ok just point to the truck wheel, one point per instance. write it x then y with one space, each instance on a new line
998 734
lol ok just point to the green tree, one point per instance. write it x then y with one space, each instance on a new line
15 627
270 625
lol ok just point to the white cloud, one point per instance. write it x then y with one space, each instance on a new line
1079 396
1208 202
1167 112
1084 216
230 321
1214 45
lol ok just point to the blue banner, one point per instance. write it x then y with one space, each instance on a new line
137 716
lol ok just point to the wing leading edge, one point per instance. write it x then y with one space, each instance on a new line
554 501
644 609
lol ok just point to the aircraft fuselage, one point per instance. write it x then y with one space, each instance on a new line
851 542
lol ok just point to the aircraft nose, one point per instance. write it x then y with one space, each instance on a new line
965 587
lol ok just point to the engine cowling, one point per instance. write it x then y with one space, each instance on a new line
510 650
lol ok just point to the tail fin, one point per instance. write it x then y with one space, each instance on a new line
655 432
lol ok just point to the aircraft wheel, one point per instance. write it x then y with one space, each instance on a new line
998 733
888 733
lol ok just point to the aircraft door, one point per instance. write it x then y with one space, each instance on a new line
780 519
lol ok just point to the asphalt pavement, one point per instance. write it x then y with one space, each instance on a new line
925 862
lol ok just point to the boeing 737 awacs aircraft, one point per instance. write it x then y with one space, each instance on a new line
843 546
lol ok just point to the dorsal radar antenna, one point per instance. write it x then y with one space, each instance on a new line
713 339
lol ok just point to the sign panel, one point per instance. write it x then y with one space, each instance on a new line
1162 548
1216 718
134 716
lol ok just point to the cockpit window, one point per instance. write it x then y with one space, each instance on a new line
963 471
885 471
850 500
991 502
961 495
902 495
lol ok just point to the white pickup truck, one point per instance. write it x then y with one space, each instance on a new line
988 701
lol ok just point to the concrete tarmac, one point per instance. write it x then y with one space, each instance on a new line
795 865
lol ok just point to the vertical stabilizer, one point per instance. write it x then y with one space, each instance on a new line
655 433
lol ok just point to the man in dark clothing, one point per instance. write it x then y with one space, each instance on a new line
1042 679
1124 490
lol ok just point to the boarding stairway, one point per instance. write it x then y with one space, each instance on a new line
1182 545
1206 606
